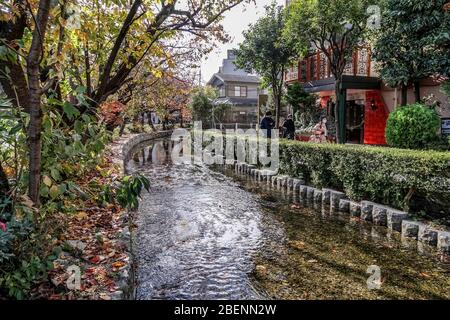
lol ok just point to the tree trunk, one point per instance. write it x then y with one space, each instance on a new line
35 92
181 118
150 122
417 95
122 127
277 101
404 100
336 110
4 187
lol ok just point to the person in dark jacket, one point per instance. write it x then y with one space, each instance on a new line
289 128
267 123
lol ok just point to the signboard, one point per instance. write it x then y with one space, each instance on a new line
445 126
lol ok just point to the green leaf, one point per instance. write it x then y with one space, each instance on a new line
55 174
54 192
70 110
47 181
15 129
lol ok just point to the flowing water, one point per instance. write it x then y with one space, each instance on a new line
209 234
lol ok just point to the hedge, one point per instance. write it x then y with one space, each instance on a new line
404 179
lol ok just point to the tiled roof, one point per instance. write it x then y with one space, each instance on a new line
238 101
235 78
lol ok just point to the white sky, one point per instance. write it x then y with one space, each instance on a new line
235 21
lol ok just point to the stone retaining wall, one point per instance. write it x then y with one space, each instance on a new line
338 202
121 151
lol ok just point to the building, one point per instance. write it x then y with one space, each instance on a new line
368 100
239 89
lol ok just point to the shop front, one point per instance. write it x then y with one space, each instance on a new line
365 115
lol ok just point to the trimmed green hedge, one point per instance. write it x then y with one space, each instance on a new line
394 177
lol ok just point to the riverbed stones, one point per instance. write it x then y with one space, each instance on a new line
355 209
379 215
410 229
427 235
395 218
335 198
344 205
443 241
366 210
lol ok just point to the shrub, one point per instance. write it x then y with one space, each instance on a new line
384 175
413 127
126 192
26 253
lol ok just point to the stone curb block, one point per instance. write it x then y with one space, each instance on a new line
379 215
344 205
335 198
310 194
355 209
427 235
326 196
366 210
410 229
303 192
395 219
443 242
318 194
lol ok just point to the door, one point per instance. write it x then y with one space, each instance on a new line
355 122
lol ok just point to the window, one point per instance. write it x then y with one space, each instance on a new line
243 91
222 91
240 91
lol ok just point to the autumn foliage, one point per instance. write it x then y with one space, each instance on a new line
112 112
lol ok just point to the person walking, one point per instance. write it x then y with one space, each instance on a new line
267 123
289 128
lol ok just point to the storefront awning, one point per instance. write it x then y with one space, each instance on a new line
348 82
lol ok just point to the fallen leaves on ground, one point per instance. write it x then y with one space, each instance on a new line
104 254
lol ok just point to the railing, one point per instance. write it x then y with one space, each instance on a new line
317 67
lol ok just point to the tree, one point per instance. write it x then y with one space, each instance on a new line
265 51
302 102
335 27
220 112
202 104
413 43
